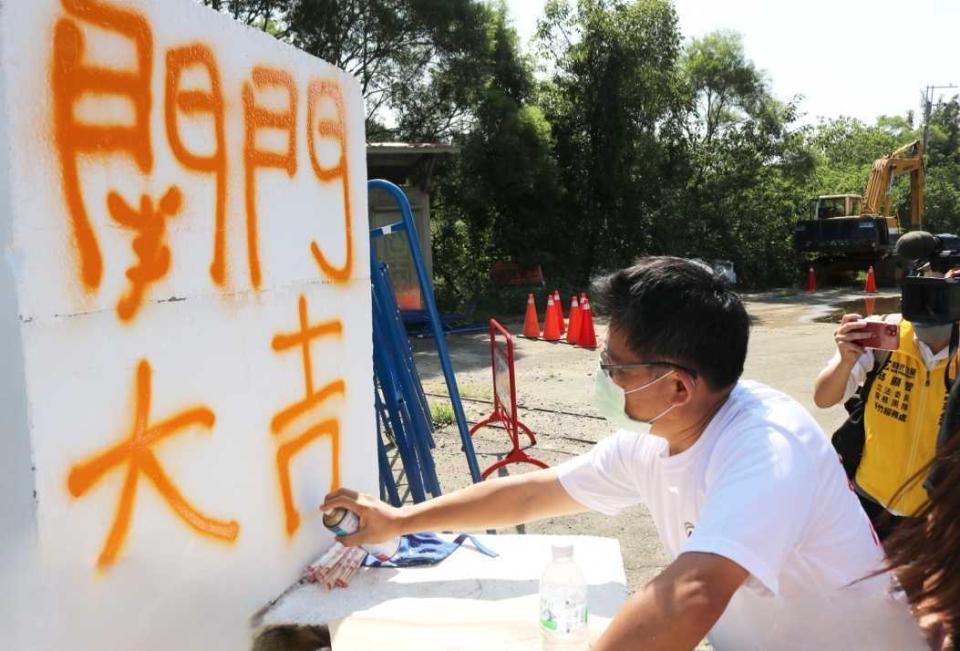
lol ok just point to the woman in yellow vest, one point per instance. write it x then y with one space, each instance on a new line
902 413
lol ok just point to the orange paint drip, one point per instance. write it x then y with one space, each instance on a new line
136 452
71 79
153 256
330 427
334 130
193 103
256 118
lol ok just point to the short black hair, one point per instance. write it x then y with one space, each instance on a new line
678 311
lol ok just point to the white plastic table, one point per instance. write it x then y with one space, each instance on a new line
469 601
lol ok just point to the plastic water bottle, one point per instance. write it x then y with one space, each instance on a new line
563 603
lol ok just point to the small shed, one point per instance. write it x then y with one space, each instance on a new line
411 166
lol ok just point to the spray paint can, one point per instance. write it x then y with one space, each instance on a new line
343 523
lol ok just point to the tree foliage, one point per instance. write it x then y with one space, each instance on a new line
943 169
415 59
613 138
613 89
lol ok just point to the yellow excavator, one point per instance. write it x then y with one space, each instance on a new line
850 232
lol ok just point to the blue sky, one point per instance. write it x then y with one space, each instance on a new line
860 58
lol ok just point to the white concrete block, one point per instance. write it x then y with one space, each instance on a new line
174 188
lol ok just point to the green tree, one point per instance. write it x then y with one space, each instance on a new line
612 87
495 202
943 169
626 143
414 59
744 165
845 148
724 86
446 70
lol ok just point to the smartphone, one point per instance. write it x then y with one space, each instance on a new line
883 336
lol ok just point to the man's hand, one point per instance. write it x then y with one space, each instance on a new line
493 503
379 521
678 608
831 384
848 334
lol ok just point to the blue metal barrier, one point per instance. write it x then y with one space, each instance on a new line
404 402
388 485
399 382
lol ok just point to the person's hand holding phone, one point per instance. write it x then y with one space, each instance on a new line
883 336
849 337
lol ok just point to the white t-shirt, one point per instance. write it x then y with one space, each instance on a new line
763 487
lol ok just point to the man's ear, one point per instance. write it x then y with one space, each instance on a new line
683 387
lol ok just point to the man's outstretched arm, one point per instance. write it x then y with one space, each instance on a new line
492 503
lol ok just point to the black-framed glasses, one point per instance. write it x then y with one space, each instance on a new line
609 368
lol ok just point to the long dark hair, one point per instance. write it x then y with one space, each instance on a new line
924 551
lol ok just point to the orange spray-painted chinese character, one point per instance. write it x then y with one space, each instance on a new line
191 103
139 458
257 118
153 256
329 427
336 130
72 79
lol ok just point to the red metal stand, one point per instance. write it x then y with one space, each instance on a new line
504 380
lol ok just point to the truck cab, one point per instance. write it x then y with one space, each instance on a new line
830 206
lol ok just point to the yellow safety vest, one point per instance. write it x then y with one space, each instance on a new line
903 414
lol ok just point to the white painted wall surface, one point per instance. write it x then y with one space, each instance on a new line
69 356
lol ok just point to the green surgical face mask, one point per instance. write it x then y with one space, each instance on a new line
610 399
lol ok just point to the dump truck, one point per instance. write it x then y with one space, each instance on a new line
850 232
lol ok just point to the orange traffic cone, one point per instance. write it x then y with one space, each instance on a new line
870 287
531 324
558 312
573 328
551 322
811 280
587 337
559 302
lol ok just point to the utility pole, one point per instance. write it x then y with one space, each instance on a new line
927 108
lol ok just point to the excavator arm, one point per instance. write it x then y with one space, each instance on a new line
905 160
865 236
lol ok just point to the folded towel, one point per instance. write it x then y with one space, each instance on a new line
420 549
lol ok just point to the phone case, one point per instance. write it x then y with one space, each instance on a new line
883 336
